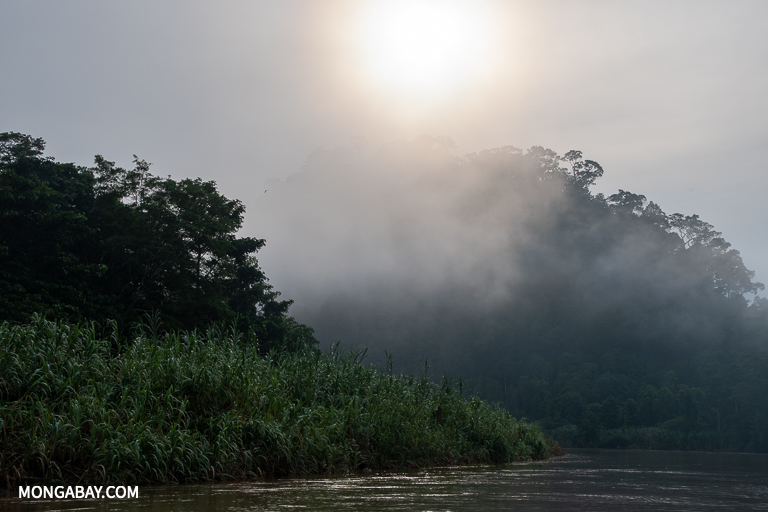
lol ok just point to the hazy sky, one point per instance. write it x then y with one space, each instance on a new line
669 96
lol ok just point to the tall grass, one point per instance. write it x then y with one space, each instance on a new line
75 406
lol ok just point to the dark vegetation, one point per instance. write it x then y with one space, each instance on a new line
189 406
606 320
141 342
106 243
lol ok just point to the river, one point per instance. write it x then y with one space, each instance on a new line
599 480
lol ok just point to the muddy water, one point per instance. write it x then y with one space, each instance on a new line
600 480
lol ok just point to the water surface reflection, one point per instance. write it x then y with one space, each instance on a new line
599 480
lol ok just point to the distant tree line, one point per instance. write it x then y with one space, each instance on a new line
109 244
615 325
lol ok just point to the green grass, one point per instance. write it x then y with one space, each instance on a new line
201 406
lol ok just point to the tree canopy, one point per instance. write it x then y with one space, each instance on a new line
107 243
584 312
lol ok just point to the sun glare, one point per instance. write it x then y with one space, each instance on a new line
423 46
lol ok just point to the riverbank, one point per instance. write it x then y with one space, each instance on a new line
183 407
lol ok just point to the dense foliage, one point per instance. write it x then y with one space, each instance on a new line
191 406
605 319
106 243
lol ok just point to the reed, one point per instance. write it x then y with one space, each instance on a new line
191 406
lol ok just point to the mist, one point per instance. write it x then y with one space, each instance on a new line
503 269
410 215
570 291
415 250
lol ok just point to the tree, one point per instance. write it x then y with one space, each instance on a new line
627 202
692 230
44 233
583 173
109 243
586 313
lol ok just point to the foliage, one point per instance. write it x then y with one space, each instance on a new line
109 243
191 406
591 314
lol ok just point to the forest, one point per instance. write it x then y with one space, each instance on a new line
140 342
604 320
109 244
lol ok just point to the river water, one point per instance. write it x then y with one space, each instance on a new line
599 480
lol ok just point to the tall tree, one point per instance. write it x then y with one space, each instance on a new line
106 242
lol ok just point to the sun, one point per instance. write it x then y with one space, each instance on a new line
423 46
